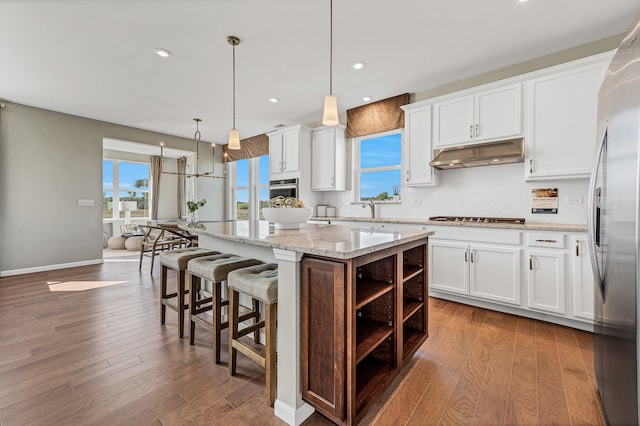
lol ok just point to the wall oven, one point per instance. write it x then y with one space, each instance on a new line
283 187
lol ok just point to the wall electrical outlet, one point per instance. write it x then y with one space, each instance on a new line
574 200
417 202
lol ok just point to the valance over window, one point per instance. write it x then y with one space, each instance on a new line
376 117
254 146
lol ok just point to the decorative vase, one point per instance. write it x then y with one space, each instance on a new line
193 216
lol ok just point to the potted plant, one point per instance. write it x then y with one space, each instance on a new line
193 207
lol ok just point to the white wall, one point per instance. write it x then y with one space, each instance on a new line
48 161
496 191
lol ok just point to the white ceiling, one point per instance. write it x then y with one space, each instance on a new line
94 58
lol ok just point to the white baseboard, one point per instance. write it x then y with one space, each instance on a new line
50 267
290 415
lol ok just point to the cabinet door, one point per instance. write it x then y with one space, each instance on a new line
495 273
562 135
453 122
322 316
275 153
498 113
583 286
417 147
291 151
449 266
546 280
323 151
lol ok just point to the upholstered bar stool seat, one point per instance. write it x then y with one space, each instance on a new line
260 282
215 269
177 260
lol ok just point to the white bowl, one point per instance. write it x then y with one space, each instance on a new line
287 218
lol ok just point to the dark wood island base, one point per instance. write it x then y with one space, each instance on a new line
361 321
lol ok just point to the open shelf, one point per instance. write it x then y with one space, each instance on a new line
369 335
410 307
411 339
371 377
410 271
367 291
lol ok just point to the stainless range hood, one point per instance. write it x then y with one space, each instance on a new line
485 154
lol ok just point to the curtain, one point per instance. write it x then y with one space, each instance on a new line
181 196
376 117
156 171
254 146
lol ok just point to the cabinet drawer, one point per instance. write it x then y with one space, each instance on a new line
551 240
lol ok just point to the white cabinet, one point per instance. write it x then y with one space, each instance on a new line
583 284
417 150
546 280
490 114
284 152
484 271
562 107
328 159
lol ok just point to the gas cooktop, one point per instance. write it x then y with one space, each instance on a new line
478 219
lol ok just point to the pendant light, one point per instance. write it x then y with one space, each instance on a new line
330 114
234 136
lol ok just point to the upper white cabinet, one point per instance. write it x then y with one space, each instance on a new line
284 152
562 104
486 115
328 159
417 148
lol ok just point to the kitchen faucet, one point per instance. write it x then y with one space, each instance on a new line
373 207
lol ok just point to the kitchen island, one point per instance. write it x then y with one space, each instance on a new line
344 280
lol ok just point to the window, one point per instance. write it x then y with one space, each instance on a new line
377 168
125 188
249 187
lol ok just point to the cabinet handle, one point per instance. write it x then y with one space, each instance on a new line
531 165
577 248
546 241
531 263
471 131
408 176
331 180
477 130
466 256
472 261
284 165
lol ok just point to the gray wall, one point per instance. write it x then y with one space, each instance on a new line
48 161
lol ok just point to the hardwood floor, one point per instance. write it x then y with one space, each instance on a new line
100 356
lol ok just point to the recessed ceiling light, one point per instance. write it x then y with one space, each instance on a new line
366 98
359 65
163 53
274 100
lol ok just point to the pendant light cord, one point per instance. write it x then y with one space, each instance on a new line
234 86
331 47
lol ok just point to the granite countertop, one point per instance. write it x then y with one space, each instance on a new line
527 226
337 241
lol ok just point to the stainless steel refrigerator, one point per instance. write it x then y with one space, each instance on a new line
614 236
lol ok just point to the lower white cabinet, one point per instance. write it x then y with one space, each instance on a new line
583 282
484 271
546 280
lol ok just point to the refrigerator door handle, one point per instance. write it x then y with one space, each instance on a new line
593 217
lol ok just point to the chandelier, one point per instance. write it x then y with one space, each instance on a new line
196 173
330 113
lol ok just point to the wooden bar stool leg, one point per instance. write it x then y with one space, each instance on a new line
255 304
181 302
217 319
193 283
163 293
271 315
233 329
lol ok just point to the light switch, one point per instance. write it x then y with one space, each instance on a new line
86 203
574 200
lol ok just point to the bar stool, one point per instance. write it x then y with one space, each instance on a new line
213 268
177 260
260 282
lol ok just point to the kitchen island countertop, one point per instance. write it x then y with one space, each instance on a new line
340 242
527 226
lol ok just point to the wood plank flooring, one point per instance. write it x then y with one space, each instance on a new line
100 356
